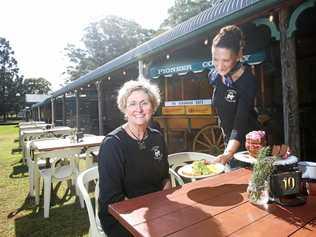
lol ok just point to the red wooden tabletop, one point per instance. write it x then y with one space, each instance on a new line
217 206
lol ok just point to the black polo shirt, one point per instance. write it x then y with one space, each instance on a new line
235 105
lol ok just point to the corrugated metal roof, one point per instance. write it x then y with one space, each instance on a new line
34 98
223 13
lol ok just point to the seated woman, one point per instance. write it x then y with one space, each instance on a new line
133 158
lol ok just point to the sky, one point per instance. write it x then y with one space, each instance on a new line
39 30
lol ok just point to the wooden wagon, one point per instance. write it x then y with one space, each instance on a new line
189 124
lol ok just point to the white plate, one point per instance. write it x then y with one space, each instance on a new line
185 170
245 157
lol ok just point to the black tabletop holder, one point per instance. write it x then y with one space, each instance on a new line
285 185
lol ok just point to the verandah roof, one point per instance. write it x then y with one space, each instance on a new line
222 13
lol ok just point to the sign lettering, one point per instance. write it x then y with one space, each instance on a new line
289 183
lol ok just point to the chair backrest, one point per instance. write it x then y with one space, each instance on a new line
177 160
84 178
175 177
69 154
182 158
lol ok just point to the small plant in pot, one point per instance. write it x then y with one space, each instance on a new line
258 188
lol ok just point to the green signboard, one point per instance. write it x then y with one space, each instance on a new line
197 66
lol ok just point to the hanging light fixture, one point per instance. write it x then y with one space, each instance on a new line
109 78
271 17
124 73
167 56
206 42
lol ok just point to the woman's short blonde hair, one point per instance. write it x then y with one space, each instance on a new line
141 84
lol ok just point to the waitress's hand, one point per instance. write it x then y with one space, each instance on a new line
232 146
223 158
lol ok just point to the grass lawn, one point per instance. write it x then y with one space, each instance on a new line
19 216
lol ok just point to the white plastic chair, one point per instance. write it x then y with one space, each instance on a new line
31 163
175 177
176 160
66 169
91 174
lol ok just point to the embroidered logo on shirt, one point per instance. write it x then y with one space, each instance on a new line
231 96
157 153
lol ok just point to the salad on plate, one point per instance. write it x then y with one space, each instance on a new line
200 169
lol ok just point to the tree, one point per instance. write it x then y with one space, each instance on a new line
10 81
104 40
36 86
185 9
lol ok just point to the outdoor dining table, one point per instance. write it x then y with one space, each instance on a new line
35 133
59 130
41 146
30 123
32 126
216 206
26 127
49 145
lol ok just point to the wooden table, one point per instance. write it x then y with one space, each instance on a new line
217 206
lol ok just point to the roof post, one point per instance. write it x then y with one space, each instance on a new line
53 111
39 113
77 109
64 109
140 68
100 111
289 84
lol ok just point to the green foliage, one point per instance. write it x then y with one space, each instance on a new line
36 86
263 168
10 80
103 41
183 10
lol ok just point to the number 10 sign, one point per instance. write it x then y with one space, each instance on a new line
285 183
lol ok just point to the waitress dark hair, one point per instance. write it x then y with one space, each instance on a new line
230 37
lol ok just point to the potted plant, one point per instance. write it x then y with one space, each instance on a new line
258 188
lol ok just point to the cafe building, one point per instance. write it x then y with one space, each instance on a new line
280 48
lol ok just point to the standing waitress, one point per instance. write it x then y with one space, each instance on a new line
234 92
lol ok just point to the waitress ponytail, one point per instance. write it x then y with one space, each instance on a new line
230 37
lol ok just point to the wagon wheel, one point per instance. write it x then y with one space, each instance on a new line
209 140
